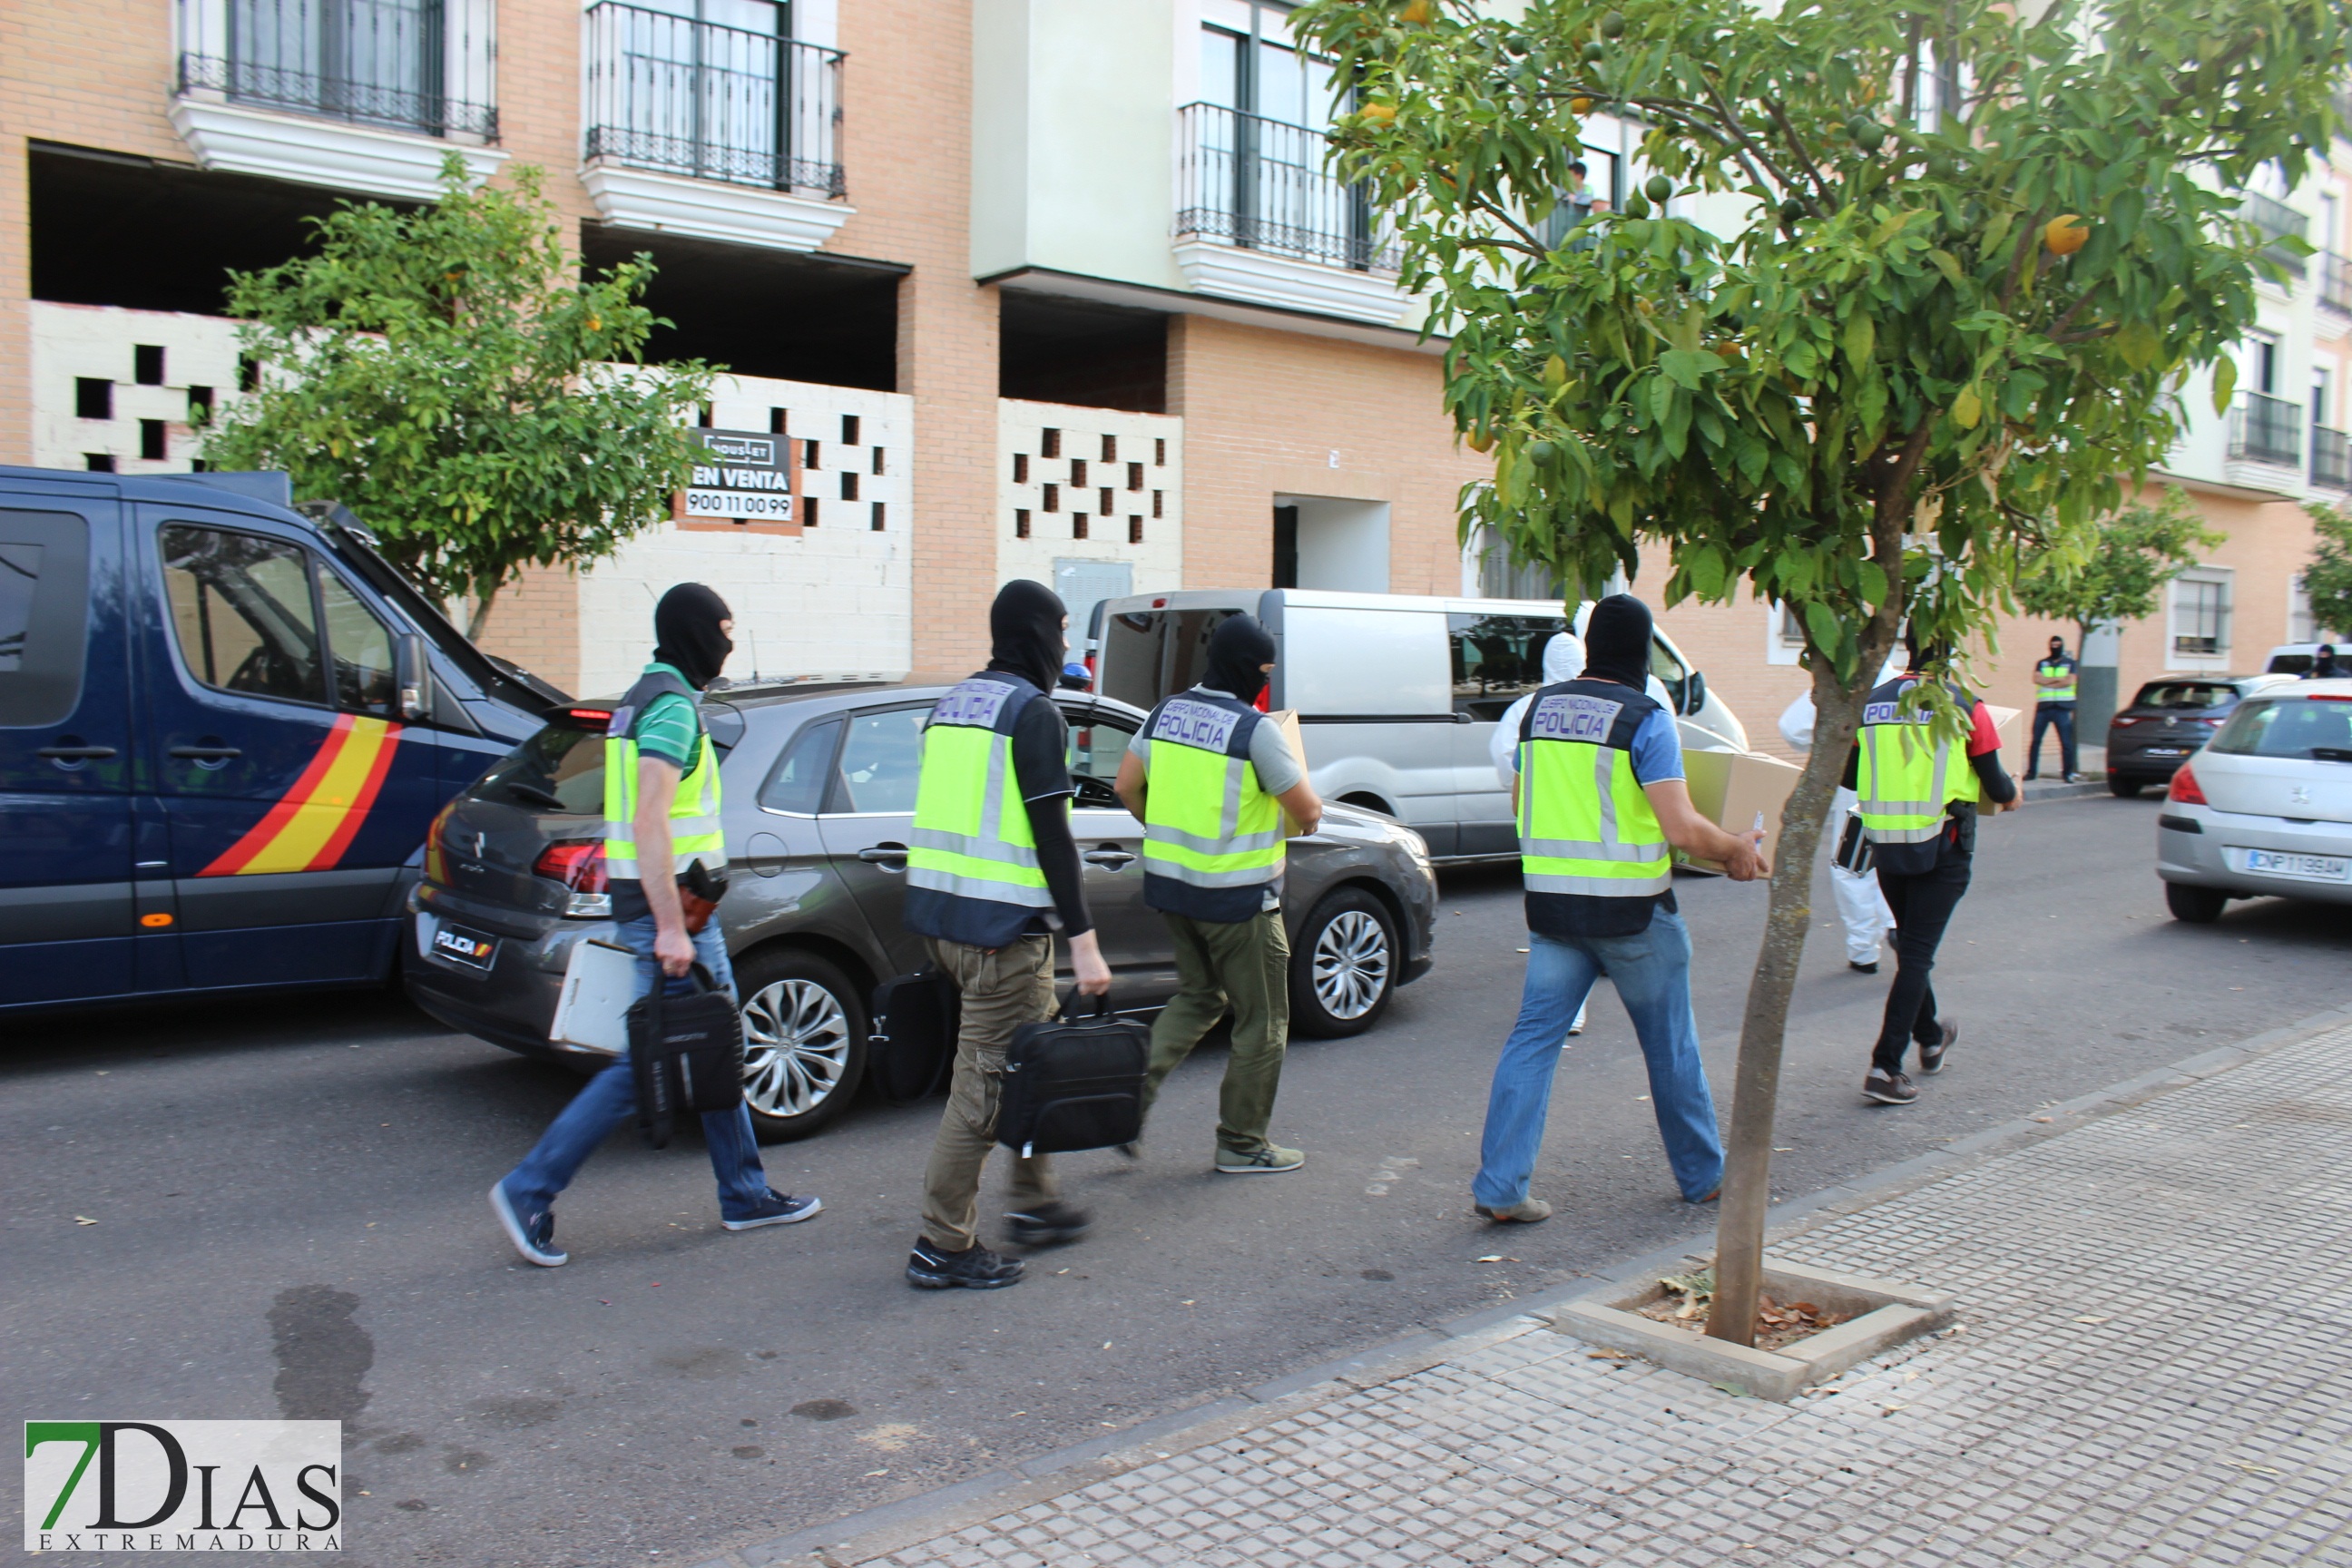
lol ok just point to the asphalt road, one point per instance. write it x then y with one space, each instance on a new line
290 1217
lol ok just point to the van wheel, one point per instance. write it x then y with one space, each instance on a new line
2198 906
1343 967
804 1042
1370 802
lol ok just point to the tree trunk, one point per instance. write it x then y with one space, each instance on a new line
1747 1165
481 616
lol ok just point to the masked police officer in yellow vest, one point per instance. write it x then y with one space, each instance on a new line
990 856
1918 789
1601 798
661 824
1211 779
2053 709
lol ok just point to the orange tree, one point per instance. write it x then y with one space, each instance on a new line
1966 260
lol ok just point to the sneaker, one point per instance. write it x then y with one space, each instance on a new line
1048 1225
1861 968
1526 1211
1931 1058
1889 1088
2073 778
533 1234
778 1208
973 1269
1263 1162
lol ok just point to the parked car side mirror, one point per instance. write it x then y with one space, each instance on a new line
416 680
1694 692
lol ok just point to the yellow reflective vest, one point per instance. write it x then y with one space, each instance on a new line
1212 836
1908 770
696 833
2048 668
1586 830
972 870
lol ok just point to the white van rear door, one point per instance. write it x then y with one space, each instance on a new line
1375 699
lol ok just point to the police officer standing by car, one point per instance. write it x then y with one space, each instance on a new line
2053 709
661 827
1210 778
991 855
1919 806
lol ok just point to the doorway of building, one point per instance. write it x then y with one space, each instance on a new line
1323 542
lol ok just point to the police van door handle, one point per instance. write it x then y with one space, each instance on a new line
76 753
1110 855
206 753
884 854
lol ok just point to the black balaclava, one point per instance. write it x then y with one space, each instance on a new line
1025 632
1238 651
1617 642
686 635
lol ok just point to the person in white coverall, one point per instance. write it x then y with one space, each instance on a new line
1861 906
1563 660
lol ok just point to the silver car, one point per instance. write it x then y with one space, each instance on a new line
2265 808
820 798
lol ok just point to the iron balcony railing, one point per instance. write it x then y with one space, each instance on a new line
1263 186
2277 221
712 101
2331 459
2265 429
2336 282
406 65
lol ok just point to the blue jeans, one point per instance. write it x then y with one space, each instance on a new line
1650 972
611 1097
2047 717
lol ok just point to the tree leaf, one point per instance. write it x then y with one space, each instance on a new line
2139 344
2225 382
1822 625
1967 408
1861 337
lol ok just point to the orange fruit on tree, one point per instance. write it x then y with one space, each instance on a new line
1579 106
1481 441
1417 12
1379 113
2066 233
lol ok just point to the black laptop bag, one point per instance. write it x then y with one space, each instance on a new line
911 1050
685 1053
1074 1083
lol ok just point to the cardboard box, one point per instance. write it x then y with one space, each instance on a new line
1286 721
2003 723
1730 787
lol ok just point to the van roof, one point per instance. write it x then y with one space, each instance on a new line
269 494
1249 599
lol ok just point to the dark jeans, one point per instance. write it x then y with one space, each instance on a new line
2048 716
1922 906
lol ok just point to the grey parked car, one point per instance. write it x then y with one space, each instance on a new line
820 797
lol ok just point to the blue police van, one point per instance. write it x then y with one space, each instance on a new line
225 727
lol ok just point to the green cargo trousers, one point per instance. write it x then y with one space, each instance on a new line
1003 988
1246 965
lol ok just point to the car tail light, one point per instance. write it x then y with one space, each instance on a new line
2184 790
2122 724
590 717
579 864
2217 723
436 868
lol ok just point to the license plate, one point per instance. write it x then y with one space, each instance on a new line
459 945
2164 752
2310 868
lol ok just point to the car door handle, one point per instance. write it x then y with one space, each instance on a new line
1117 859
206 753
76 753
883 855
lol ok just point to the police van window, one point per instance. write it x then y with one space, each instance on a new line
881 759
43 615
1671 673
798 783
241 605
1096 746
360 648
1498 659
1129 660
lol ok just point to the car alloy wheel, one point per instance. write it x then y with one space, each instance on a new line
796 1047
1352 961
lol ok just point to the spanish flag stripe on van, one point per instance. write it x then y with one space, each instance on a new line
313 824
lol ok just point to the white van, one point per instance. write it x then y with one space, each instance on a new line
1396 695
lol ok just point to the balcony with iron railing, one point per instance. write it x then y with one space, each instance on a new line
2277 221
2265 429
2331 459
2336 282
401 65
709 101
1264 184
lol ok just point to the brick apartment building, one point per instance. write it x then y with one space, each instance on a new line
1031 288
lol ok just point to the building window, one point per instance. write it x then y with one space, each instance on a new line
808 454
1135 475
150 440
1053 501
1107 501
1077 473
1050 445
1159 452
147 365
1110 448
93 398
1158 496
849 484
98 462
878 459
808 511
1077 525
1020 468
2200 615
200 405
849 429
1134 530
877 517
1020 522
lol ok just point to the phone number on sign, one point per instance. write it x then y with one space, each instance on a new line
744 504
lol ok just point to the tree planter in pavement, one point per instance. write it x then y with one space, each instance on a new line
1878 1313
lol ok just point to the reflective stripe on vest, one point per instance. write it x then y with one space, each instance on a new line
1585 827
971 836
695 834
2050 670
1207 821
1905 777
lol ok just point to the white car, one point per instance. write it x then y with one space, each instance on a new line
2265 808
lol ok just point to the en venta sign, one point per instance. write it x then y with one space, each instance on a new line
745 480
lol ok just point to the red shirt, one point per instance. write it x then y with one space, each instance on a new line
1983 736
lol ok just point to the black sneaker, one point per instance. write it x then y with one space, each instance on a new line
973 1269
1048 1225
533 1234
1870 968
1889 1088
778 1208
1931 1056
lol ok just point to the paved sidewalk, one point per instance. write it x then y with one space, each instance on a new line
2151 1364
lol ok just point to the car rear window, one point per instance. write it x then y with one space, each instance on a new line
561 768
1148 654
2313 728
2185 694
